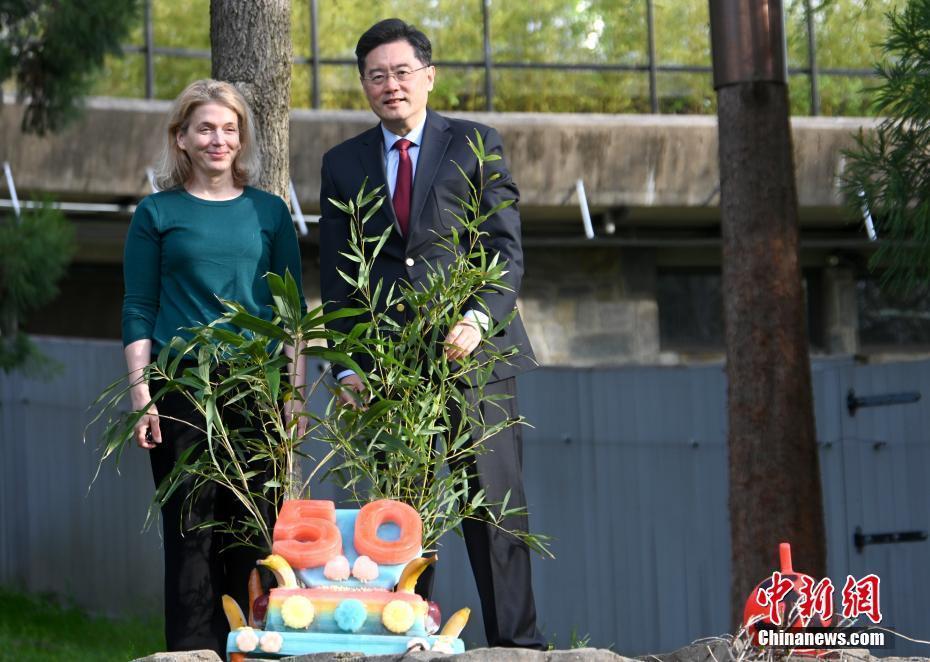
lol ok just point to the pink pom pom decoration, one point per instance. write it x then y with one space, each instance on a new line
365 569
337 569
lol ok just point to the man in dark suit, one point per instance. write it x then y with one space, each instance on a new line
412 153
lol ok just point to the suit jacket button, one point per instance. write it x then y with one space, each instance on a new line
409 261
400 307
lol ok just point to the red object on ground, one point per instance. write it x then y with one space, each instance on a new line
774 603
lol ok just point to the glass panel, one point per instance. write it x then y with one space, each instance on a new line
690 310
685 93
847 95
796 33
181 25
121 77
300 44
887 319
458 88
174 25
588 31
544 31
849 31
340 87
799 94
300 86
453 26
683 32
550 91
173 74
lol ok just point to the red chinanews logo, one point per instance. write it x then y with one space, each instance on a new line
790 600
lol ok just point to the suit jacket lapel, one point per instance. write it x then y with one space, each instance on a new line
372 158
436 138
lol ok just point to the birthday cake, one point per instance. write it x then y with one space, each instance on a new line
346 582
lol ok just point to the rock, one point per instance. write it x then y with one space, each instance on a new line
499 655
326 657
716 650
186 656
476 655
586 655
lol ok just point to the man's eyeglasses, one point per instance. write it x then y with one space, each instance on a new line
400 76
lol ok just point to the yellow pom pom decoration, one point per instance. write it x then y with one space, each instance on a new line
297 612
398 616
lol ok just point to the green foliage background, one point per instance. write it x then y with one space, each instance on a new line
34 252
42 628
887 169
52 49
545 31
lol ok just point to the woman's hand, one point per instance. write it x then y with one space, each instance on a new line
146 430
293 409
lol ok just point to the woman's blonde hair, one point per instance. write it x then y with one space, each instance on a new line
174 166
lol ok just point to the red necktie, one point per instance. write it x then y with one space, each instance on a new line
403 185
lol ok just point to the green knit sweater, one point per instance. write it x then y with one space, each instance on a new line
183 253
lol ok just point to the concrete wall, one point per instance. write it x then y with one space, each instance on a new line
652 179
650 161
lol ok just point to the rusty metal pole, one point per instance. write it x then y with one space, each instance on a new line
653 61
149 51
748 42
812 57
488 74
774 476
314 55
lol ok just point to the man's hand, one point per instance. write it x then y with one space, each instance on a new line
462 339
351 388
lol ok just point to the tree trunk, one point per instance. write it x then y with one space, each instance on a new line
251 48
775 494
250 42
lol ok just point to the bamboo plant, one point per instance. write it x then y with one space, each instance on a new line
400 444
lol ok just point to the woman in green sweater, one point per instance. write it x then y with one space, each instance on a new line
206 235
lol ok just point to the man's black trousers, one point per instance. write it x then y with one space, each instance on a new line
500 562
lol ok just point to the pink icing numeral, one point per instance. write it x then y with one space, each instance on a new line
388 552
306 534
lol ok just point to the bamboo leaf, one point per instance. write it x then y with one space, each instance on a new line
260 326
273 378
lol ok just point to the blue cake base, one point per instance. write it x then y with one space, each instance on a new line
304 643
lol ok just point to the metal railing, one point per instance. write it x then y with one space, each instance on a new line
651 67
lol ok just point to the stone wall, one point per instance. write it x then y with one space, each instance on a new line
589 306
